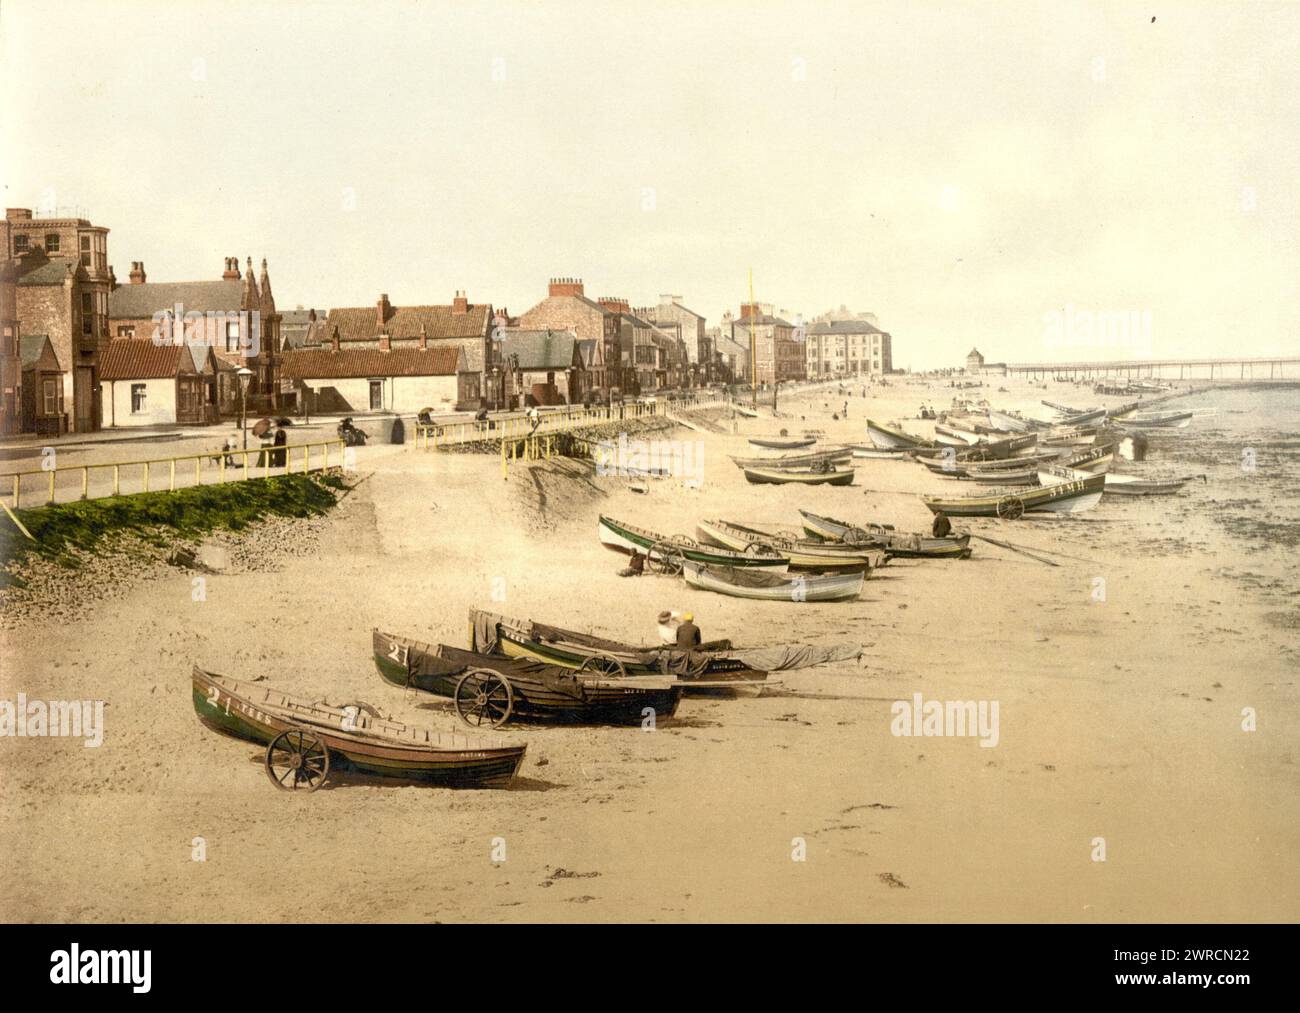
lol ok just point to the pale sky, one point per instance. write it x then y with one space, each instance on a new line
961 170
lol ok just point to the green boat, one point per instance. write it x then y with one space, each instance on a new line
667 553
306 738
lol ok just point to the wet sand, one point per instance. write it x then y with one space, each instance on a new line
1119 719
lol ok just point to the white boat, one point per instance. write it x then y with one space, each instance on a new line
767 586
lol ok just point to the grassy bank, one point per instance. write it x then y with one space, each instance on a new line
157 516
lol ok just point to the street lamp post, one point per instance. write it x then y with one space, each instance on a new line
245 374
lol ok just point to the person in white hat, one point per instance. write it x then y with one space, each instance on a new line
668 620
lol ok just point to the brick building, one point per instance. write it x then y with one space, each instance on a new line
777 355
459 324
674 318
566 307
61 278
847 348
235 315
11 365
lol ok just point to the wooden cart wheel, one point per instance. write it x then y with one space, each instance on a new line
297 760
665 557
601 664
760 549
482 693
1011 508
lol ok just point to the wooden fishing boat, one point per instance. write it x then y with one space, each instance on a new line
1066 497
803 554
1121 485
773 586
887 438
799 476
951 437
1094 461
904 545
708 667
491 689
782 442
1169 420
839 455
1131 485
875 453
666 553
306 739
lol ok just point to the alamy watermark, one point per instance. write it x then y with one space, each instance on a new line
659 458
946 718
34 719
235 331
1079 327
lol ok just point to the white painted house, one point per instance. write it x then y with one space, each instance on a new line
145 384
354 380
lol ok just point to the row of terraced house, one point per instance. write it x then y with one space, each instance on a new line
83 351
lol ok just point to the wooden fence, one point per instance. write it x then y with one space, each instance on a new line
298 459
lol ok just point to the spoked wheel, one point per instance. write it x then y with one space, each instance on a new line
666 557
483 695
297 760
602 664
1011 508
760 549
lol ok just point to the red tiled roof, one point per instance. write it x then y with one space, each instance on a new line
361 323
348 363
136 359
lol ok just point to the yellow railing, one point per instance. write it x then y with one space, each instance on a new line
218 458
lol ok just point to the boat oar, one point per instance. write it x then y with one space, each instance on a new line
1016 548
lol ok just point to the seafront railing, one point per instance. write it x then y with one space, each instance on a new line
442 435
121 478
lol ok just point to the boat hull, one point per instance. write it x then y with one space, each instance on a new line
793 588
625 538
886 438
904 546
1065 497
232 708
802 556
772 476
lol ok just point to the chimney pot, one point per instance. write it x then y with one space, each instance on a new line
137 272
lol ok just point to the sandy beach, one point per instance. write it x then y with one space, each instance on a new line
1121 716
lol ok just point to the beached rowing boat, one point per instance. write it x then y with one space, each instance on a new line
782 442
491 689
1120 485
773 586
828 475
348 737
667 552
888 438
1169 420
1067 497
803 553
707 667
839 455
875 453
897 543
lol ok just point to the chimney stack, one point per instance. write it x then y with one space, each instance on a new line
385 343
566 286
18 214
424 338
383 310
231 272
334 340
750 309
460 304
615 304
138 276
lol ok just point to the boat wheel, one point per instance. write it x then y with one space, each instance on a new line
297 760
856 536
483 694
760 549
601 664
665 557
1011 508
